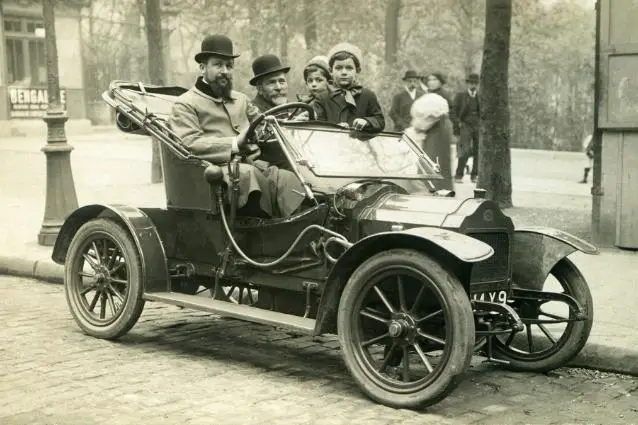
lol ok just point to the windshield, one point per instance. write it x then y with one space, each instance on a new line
335 153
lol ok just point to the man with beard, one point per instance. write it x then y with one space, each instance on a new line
211 119
270 78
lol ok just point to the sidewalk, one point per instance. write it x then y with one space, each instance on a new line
111 167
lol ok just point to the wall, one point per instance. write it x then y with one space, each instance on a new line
67 27
618 223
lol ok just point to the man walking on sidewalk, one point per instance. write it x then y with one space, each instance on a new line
466 119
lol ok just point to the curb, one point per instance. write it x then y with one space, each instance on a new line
44 269
607 359
593 356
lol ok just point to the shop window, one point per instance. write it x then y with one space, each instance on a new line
25 51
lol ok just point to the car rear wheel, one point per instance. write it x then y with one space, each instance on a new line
406 329
552 335
103 279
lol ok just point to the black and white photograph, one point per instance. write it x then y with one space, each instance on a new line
300 212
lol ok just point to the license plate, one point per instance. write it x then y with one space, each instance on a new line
491 296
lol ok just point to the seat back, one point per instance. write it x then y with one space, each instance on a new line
184 183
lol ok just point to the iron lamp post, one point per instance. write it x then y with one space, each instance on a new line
61 198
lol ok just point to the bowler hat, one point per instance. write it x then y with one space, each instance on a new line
472 78
264 65
218 45
410 73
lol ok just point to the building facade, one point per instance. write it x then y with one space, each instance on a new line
23 70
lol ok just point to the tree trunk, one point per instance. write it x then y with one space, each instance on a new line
283 30
254 23
495 164
153 24
310 29
467 35
392 31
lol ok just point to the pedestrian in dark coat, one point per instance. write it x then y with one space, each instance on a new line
349 104
402 101
432 128
466 114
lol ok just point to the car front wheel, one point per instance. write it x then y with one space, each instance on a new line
406 329
553 334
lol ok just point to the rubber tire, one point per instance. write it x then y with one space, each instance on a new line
462 328
577 287
134 303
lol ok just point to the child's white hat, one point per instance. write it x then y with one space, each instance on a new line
347 48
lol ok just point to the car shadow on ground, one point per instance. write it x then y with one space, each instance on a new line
294 357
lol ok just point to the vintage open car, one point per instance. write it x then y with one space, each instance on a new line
413 281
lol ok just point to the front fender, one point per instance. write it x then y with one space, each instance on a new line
142 230
537 249
457 250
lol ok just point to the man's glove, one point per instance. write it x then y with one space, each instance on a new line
240 140
251 152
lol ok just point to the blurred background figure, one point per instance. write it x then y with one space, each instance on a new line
432 129
402 101
435 82
588 149
466 118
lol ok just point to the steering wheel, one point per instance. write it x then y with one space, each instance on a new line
295 106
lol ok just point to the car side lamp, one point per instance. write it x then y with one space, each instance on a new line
480 193
445 193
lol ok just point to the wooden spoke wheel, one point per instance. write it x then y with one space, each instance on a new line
245 294
406 329
103 279
552 335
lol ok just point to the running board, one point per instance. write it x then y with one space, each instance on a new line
237 311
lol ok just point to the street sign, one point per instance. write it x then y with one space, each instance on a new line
31 102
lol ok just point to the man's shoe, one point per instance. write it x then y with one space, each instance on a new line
473 179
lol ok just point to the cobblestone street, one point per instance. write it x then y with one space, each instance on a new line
178 366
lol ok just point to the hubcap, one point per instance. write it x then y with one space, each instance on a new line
101 284
398 311
397 328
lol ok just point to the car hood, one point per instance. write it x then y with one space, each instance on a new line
426 210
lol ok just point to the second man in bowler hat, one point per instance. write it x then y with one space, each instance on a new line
271 80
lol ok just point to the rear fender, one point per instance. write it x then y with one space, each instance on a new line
454 250
141 228
536 250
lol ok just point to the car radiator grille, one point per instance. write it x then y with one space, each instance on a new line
495 268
